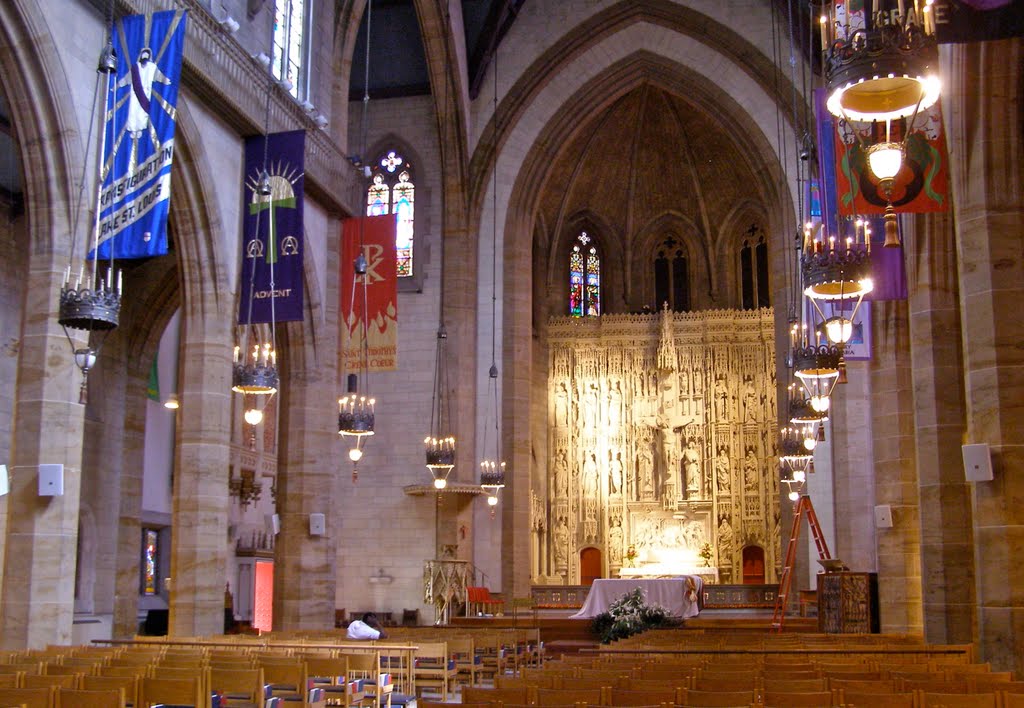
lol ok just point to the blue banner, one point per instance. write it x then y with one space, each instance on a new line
272 233
139 135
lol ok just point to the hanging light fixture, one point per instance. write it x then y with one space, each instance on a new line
440 443
254 371
492 467
357 409
93 303
881 71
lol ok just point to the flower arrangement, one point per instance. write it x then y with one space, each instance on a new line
629 615
706 554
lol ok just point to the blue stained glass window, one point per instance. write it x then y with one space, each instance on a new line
391 193
584 278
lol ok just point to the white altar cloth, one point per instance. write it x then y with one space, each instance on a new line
670 593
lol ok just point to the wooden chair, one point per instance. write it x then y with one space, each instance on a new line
473 694
867 699
463 653
641 697
803 699
366 667
862 685
1011 700
182 692
11 680
28 697
936 685
568 696
43 681
75 698
285 679
775 685
128 685
237 686
929 699
718 699
433 669
740 683
331 674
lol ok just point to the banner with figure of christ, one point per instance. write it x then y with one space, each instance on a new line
375 236
140 108
272 230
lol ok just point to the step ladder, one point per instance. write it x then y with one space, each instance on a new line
801 508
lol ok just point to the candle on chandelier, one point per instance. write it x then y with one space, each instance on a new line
120 280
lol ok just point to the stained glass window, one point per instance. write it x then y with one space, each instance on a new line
392 191
584 277
289 16
754 285
671 276
150 561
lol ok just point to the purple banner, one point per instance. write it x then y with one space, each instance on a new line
272 236
887 267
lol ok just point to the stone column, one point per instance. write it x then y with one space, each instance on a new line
892 422
947 556
200 525
518 387
984 115
42 532
308 466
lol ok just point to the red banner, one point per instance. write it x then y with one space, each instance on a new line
377 236
922 183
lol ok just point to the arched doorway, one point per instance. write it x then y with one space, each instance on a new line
753 565
590 566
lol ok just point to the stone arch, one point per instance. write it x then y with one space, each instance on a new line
647 240
549 121
726 244
44 117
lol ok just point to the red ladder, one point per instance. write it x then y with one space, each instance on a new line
803 506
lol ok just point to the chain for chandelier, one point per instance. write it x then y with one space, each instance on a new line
357 409
93 304
492 468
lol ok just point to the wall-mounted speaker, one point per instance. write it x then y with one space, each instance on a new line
51 480
317 524
883 516
977 463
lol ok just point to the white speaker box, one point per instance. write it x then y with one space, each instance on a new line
51 480
977 463
5 482
317 524
883 516
273 524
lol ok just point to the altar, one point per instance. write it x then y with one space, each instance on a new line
678 595
647 572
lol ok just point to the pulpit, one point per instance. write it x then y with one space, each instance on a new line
848 602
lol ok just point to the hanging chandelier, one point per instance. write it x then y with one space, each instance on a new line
881 71
440 444
356 409
254 361
93 303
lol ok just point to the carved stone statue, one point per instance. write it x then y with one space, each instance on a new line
561 543
751 404
614 407
615 541
590 408
750 472
615 474
645 470
561 488
561 406
721 399
722 475
691 469
590 476
724 537
669 459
